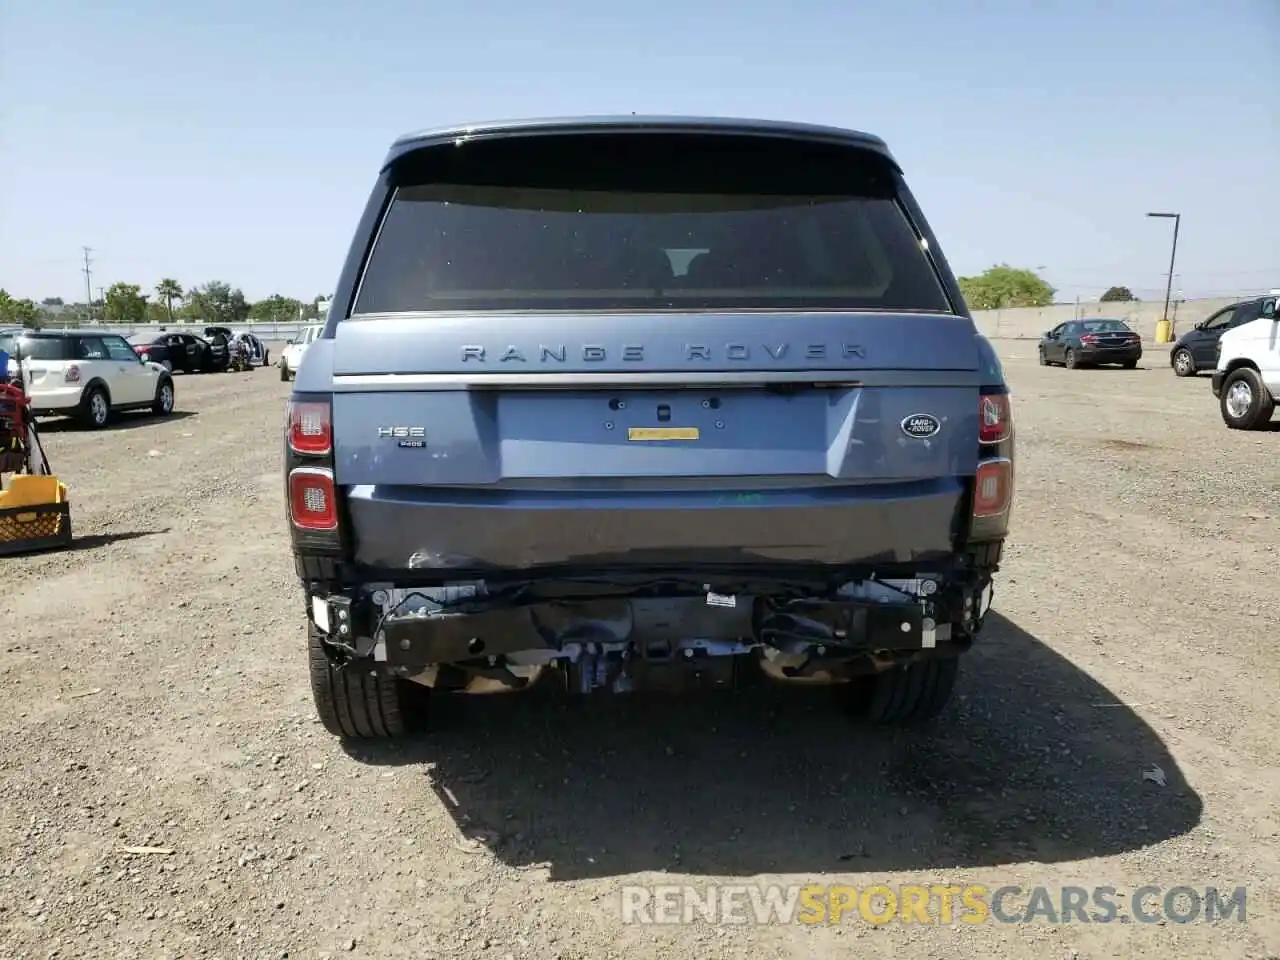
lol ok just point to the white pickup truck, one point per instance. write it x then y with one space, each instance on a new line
1247 379
291 356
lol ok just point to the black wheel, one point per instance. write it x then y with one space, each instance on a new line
266 358
162 406
903 696
355 704
1184 365
1044 360
95 408
1130 364
1069 361
1246 403
284 373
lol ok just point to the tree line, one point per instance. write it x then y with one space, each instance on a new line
215 302
998 288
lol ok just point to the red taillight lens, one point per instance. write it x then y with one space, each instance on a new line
1088 339
313 504
994 418
310 430
72 375
993 488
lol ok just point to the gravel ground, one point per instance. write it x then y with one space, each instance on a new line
155 696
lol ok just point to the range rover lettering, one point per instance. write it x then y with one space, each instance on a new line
644 404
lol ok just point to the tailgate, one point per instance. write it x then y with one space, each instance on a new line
471 402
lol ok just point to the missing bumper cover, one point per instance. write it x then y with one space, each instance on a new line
847 628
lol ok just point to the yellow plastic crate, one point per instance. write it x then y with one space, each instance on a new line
34 515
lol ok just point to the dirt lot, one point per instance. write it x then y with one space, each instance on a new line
155 694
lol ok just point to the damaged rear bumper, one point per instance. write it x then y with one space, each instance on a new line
458 638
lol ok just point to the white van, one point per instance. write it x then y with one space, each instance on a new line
1247 379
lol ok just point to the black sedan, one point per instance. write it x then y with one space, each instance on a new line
181 351
1079 343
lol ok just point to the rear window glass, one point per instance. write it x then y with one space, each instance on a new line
41 348
646 223
1104 326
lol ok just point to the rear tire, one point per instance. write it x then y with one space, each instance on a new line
95 408
284 372
1245 402
1130 364
354 704
1069 360
903 696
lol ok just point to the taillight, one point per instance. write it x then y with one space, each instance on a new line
72 375
994 418
310 428
993 487
313 503
1088 339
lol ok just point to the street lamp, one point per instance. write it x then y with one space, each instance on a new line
1173 255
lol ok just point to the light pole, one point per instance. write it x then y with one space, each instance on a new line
1173 256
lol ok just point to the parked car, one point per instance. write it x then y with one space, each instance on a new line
1079 343
177 351
1197 349
89 374
220 339
259 355
291 356
1247 379
180 351
712 410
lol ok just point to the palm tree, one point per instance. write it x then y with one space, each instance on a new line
169 290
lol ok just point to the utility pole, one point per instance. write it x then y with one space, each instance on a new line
88 282
1173 255
102 299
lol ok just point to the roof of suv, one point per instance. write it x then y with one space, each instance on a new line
630 123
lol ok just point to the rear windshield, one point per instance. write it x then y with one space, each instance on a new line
39 348
646 223
1104 326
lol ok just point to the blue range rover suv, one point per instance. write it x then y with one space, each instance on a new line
644 403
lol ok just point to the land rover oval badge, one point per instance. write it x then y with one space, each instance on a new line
921 426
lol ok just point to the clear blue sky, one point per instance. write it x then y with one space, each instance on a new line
237 140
